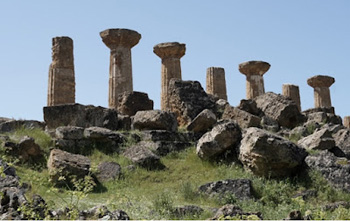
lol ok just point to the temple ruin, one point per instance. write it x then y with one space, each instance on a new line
292 91
321 84
216 83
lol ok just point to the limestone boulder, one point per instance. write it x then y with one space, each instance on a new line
132 102
223 136
342 140
229 210
67 165
108 171
334 169
124 122
240 188
162 148
269 155
202 122
28 149
70 133
155 120
324 118
193 210
280 108
143 157
243 118
320 140
187 99
250 107
9 177
81 116
11 125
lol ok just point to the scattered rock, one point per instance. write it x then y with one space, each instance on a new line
342 140
250 107
108 171
269 155
220 106
280 108
163 135
243 118
28 149
269 124
143 157
224 136
64 164
334 169
202 122
155 120
294 215
124 122
230 211
187 100
11 125
70 133
187 210
163 148
306 194
81 116
240 188
323 118
320 140
333 206
131 102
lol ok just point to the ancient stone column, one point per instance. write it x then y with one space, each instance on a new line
120 41
321 84
254 71
61 86
346 121
292 91
216 83
170 53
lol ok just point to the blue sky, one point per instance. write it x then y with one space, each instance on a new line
298 38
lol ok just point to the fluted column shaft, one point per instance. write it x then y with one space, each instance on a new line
216 83
61 84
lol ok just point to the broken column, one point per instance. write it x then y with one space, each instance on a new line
321 84
292 91
61 86
120 41
254 71
170 53
346 121
216 83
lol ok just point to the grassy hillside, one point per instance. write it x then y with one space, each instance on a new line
144 194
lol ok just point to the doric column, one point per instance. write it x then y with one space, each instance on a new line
292 91
120 41
321 84
61 86
346 121
216 83
170 53
254 71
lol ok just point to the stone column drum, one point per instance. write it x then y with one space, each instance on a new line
120 41
254 71
216 83
61 85
321 84
170 53
346 121
292 91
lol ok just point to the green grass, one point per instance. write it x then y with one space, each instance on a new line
147 194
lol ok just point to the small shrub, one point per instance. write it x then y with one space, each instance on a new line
188 191
163 204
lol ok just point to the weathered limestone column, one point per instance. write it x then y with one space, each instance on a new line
321 84
346 121
61 86
292 91
170 53
254 71
216 83
120 41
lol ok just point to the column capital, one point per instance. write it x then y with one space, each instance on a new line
120 37
320 81
170 50
254 68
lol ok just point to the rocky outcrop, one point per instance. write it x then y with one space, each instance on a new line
101 212
280 108
202 122
334 169
26 149
223 136
342 140
243 118
11 125
67 165
141 155
250 107
155 120
80 116
187 99
131 102
269 155
240 188
324 118
320 140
